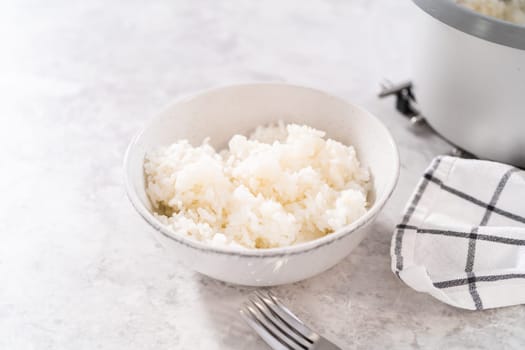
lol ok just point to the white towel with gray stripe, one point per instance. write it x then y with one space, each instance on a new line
462 236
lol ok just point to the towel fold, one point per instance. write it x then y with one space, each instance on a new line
462 235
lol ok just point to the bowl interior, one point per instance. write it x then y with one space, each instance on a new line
221 113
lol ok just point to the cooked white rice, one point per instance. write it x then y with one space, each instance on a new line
280 186
510 10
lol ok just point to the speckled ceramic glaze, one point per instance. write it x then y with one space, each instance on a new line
223 112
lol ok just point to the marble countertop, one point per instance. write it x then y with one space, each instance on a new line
80 270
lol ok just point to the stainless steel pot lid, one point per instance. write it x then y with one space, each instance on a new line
474 23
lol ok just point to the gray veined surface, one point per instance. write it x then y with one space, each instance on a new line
78 267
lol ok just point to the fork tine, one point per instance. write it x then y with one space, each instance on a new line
288 317
277 333
301 342
285 309
259 329
268 333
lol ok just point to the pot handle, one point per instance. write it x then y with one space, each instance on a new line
405 99
407 106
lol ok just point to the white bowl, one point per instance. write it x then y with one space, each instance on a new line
223 112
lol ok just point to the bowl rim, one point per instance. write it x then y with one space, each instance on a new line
295 249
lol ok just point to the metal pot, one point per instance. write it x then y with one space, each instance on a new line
469 79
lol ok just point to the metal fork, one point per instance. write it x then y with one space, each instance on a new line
279 327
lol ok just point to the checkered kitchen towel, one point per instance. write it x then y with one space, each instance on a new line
462 237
